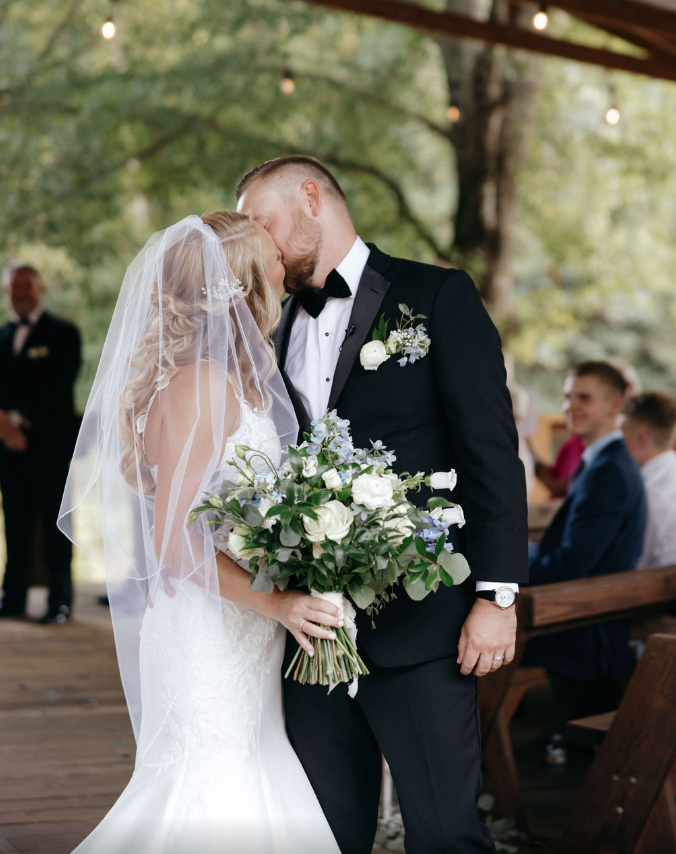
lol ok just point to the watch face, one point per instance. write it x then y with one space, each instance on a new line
504 597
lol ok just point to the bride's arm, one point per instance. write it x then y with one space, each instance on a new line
185 453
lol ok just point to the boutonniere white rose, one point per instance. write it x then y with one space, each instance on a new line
412 342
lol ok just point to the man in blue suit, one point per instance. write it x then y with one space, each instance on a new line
598 530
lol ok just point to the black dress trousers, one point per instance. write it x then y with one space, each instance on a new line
424 720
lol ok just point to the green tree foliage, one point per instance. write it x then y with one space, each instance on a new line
104 142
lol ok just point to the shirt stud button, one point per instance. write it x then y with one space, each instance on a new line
328 379
326 334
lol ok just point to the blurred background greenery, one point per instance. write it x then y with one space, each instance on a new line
567 223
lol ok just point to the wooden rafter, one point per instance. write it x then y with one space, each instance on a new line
630 17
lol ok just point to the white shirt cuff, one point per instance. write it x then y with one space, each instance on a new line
493 585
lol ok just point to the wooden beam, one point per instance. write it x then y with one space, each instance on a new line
625 15
447 25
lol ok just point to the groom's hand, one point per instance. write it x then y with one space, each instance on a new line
487 632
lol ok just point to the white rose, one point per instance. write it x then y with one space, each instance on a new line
373 491
372 355
310 466
237 546
443 479
245 477
263 507
453 515
450 515
401 525
332 523
332 479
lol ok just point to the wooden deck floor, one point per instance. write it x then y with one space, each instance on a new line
67 749
66 745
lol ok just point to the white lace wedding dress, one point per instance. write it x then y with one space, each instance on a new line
220 776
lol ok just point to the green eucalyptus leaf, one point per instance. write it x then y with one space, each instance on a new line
361 596
455 565
289 537
415 589
252 515
283 554
262 583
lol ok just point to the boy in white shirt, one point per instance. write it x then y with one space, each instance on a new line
649 428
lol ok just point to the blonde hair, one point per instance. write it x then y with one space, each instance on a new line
162 352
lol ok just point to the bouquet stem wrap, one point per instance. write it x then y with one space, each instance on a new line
336 660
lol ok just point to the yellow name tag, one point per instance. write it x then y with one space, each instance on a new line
37 352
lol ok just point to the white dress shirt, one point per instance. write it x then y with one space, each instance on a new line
659 541
314 348
23 330
315 342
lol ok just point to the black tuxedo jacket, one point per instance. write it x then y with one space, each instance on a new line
450 409
38 382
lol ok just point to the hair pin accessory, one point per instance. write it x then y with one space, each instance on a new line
224 290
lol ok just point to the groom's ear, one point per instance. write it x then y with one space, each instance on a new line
311 196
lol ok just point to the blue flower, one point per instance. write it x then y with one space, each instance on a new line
313 449
319 431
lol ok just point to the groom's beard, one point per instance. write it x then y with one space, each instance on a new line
302 255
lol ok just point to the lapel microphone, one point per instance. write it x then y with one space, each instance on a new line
349 331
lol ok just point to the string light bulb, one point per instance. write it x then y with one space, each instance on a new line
453 114
541 18
109 29
612 115
287 84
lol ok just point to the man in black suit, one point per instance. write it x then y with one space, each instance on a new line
449 409
39 360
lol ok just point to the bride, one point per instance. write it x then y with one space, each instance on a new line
187 374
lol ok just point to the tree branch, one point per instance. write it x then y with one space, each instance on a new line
405 211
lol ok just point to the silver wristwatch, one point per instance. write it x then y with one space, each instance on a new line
503 597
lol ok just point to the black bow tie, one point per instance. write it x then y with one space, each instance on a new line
313 300
23 321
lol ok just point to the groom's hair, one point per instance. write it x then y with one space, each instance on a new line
291 172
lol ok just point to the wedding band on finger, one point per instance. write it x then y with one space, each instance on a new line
302 623
498 657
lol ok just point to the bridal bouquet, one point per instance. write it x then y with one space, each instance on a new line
335 519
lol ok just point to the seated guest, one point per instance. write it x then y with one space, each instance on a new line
598 530
556 476
649 426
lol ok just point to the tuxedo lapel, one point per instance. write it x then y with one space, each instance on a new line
282 334
370 294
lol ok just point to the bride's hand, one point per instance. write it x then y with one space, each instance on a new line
302 615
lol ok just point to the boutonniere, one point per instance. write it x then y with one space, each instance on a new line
411 341
37 352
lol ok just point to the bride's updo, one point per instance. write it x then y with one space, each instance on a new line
183 315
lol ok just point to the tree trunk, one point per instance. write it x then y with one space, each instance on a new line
494 91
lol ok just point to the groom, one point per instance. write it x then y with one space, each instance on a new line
449 409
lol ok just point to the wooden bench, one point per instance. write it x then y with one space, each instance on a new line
550 608
626 804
